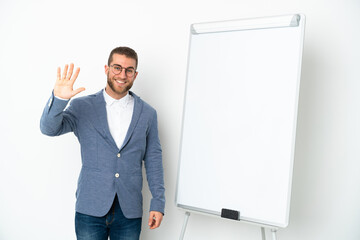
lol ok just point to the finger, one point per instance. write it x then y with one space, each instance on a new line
158 221
79 90
152 226
68 76
76 74
58 73
155 224
155 221
151 220
65 71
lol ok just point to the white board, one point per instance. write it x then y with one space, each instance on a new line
239 120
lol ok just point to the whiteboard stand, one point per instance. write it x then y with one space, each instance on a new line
187 215
273 233
263 235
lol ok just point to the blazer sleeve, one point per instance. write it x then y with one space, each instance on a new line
154 167
54 120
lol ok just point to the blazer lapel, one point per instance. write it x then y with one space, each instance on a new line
138 105
100 121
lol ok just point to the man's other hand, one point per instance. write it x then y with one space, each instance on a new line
155 219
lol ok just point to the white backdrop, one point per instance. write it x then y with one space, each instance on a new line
38 174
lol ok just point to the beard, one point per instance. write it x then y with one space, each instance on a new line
119 91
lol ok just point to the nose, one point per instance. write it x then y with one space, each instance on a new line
122 74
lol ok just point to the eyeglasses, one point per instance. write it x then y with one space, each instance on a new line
117 69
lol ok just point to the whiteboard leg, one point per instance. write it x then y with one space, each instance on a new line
273 233
187 214
263 236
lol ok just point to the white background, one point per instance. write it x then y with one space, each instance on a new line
38 174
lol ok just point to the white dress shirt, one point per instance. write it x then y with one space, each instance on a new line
119 114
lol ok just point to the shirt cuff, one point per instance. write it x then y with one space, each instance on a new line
61 98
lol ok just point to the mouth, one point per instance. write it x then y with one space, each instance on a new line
120 82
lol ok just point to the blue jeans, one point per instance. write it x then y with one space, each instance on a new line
114 225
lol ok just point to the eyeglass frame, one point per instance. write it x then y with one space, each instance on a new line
121 67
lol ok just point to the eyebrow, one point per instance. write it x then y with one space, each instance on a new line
118 65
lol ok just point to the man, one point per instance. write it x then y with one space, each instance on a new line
117 132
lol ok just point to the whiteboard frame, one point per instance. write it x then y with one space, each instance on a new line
297 20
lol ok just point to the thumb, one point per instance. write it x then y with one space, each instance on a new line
151 219
79 90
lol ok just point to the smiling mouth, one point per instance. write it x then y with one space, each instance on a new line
120 82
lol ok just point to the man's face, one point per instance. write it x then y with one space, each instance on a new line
119 84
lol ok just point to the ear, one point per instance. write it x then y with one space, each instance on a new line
106 69
136 73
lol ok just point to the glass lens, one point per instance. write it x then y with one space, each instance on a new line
117 69
129 72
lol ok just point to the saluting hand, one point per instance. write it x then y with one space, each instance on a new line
64 83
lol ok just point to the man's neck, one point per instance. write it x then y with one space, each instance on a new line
113 94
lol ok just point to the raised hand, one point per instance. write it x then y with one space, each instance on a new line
65 82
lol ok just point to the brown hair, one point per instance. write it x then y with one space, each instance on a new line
128 52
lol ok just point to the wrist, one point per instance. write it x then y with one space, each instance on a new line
65 99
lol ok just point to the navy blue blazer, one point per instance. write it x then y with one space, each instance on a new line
106 169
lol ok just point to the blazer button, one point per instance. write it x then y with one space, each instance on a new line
117 175
118 155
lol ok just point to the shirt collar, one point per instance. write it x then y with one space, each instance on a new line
122 101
